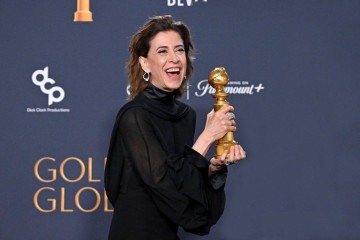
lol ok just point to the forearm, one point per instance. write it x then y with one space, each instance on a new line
203 143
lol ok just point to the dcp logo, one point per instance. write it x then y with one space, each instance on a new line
49 91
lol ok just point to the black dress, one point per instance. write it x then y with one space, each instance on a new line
153 178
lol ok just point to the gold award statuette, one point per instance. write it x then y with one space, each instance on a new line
218 78
83 13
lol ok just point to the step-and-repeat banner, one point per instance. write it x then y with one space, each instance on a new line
294 68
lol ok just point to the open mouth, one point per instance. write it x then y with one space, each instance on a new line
173 71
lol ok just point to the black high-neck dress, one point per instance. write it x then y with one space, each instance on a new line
153 178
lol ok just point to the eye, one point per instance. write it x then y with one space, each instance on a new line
162 51
180 50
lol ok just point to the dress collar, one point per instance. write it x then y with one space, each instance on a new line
164 104
158 94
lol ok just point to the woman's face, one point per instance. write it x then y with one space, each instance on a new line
166 61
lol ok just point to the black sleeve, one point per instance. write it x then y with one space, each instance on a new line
178 183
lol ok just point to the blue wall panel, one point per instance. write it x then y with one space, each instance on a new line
299 121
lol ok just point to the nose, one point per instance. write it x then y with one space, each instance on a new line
173 57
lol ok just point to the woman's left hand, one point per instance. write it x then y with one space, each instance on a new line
235 154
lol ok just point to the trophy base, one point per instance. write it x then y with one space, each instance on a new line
83 16
221 147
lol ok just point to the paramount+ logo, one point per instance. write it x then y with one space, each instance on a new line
48 86
182 3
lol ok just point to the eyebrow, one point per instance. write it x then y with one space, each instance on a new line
180 45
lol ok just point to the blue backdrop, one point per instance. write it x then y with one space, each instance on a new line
294 68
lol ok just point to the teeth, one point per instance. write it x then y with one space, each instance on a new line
173 70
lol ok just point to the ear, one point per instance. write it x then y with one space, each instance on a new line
144 64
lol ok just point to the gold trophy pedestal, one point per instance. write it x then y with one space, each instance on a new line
83 16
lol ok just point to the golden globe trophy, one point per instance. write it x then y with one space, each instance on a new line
218 78
83 13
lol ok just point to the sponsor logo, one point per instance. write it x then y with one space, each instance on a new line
182 3
55 93
49 91
233 87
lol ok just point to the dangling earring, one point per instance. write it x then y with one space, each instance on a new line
146 76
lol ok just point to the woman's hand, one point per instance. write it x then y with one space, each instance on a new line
235 154
218 124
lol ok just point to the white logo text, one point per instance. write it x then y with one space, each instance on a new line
181 3
49 91
233 87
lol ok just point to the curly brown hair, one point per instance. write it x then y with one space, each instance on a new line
140 45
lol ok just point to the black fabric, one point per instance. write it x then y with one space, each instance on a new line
153 178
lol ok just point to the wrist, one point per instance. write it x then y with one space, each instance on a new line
207 138
203 143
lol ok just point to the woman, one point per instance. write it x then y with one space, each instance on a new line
156 178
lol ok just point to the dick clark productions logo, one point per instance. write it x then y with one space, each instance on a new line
43 81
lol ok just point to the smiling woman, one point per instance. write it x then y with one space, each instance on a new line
165 61
153 32
156 177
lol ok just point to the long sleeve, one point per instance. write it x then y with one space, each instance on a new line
177 180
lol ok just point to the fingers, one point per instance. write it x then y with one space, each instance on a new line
231 156
224 157
219 161
242 153
226 109
229 125
236 154
215 165
226 113
218 123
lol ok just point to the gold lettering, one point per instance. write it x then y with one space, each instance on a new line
52 200
90 169
62 202
36 170
106 203
77 199
82 173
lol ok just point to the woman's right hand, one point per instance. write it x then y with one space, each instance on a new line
218 124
